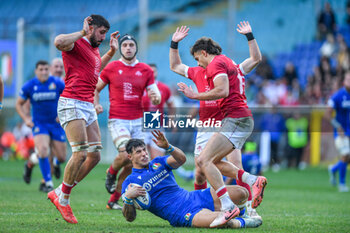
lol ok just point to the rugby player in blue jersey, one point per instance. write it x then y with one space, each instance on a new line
340 103
178 206
43 92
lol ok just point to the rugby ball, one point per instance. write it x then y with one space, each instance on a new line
141 202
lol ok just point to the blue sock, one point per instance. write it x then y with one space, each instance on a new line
45 168
242 222
342 172
336 166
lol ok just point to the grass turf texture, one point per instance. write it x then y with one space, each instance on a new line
294 201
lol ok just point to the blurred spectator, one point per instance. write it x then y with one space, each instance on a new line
297 127
326 22
343 59
290 73
264 69
347 18
274 123
329 47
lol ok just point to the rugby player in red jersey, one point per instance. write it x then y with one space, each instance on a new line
76 111
227 87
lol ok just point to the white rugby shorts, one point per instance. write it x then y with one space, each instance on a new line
72 109
130 128
342 144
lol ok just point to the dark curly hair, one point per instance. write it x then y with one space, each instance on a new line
207 44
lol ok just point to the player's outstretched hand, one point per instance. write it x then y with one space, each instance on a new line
159 139
98 108
135 191
244 27
180 33
113 43
187 90
86 26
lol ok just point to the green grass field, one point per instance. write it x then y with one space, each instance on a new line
294 201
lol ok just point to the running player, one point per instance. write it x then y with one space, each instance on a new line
43 92
340 103
82 63
166 98
168 201
227 87
127 79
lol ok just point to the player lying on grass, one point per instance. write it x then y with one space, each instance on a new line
178 206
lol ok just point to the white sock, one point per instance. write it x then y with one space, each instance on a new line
226 203
248 178
49 183
58 190
64 198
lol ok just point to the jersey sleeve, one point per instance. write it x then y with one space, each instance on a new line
125 184
105 74
163 160
332 102
24 93
216 68
150 77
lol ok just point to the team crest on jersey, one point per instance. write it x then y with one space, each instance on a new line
155 166
120 71
138 73
187 216
36 129
35 88
52 86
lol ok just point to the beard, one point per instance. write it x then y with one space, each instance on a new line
94 42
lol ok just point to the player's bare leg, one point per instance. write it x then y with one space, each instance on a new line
119 161
77 136
217 147
59 150
93 154
200 182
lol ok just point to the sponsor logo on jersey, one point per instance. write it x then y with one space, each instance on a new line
155 166
155 180
138 73
120 71
187 216
42 96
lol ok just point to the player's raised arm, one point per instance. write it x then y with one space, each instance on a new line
255 56
114 46
65 42
174 57
177 157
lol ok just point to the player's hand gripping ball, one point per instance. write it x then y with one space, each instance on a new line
141 202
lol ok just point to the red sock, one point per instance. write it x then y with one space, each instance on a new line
66 188
200 186
240 174
245 185
221 191
112 171
115 196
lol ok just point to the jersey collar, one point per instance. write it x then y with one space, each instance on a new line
139 170
86 39
133 64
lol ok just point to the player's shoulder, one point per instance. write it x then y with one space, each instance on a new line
143 66
31 82
338 94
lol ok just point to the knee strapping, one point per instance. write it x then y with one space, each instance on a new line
95 147
120 143
79 146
